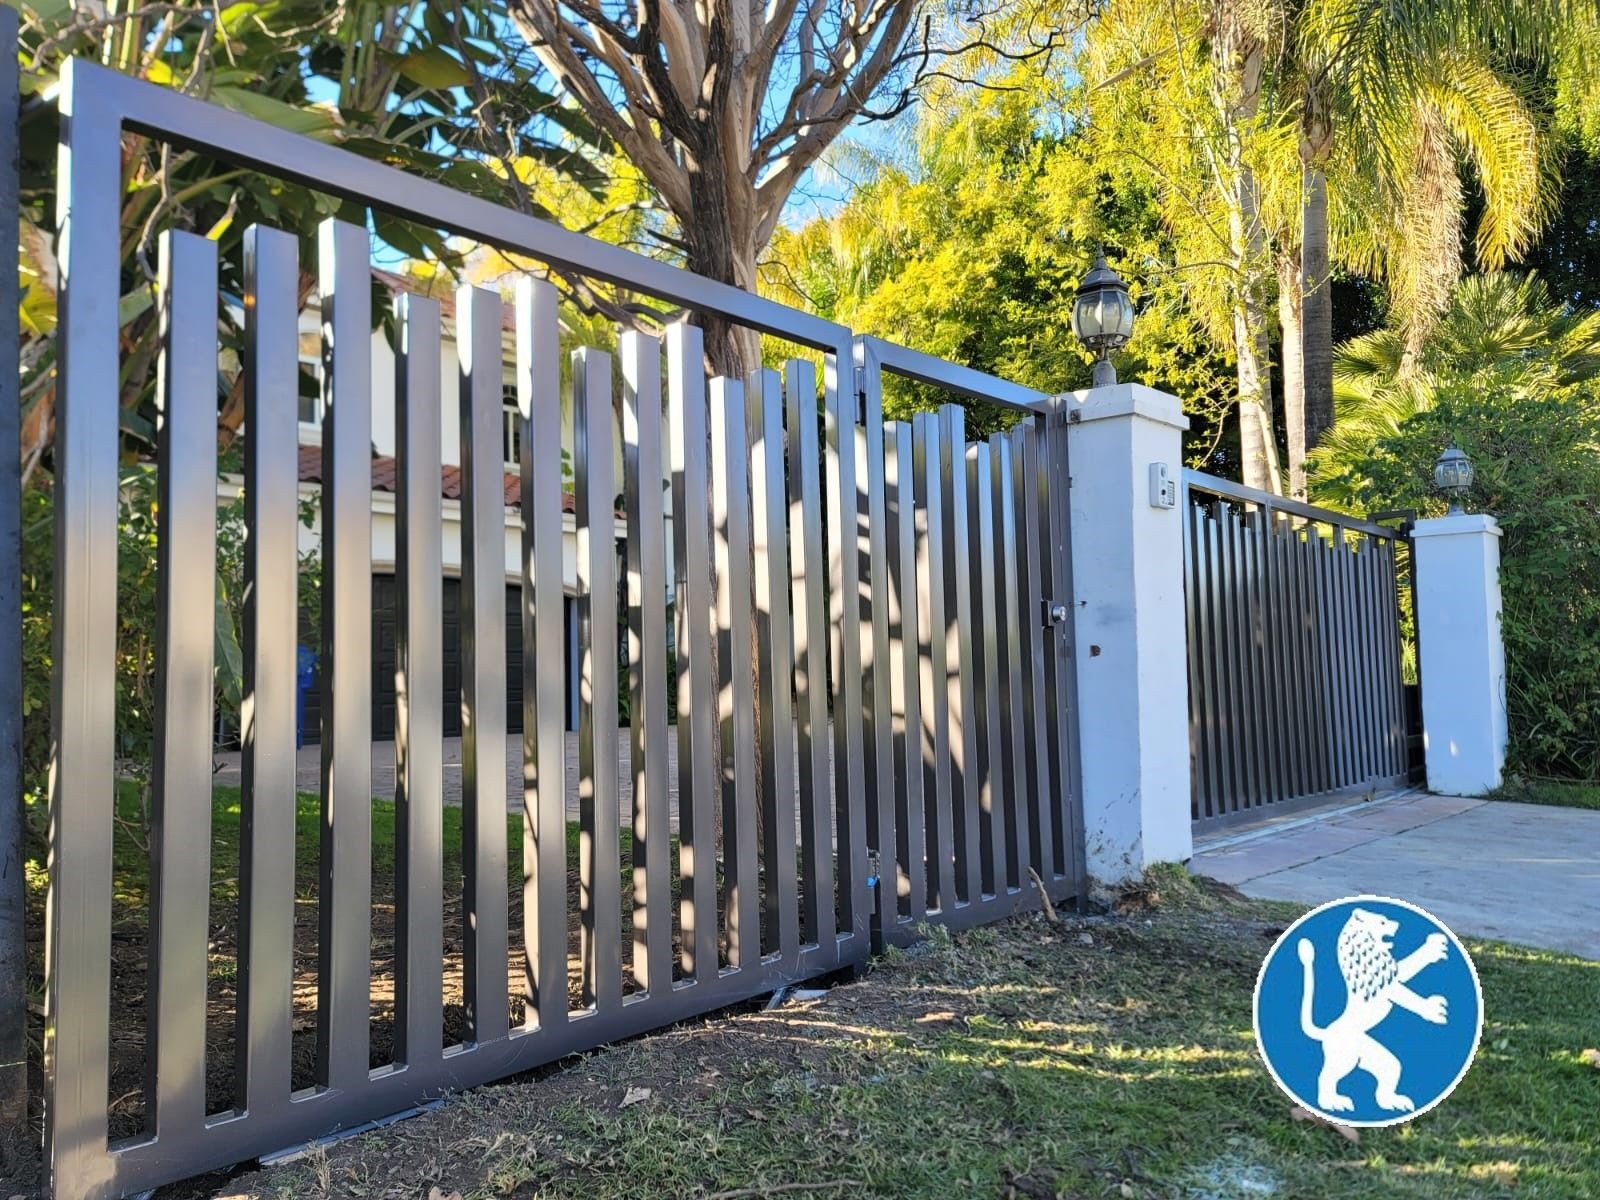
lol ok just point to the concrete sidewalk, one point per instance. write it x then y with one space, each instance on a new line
1519 872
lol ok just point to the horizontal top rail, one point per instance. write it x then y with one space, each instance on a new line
1228 490
95 93
963 381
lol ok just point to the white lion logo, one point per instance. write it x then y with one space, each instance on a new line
1374 983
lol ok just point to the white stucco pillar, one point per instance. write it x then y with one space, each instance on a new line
1461 657
1127 573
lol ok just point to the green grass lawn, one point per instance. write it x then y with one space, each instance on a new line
1093 1057
131 863
1565 793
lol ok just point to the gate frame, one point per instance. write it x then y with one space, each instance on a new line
13 897
97 106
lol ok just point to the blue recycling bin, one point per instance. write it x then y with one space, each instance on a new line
305 672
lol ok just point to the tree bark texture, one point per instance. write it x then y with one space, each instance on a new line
1316 286
1290 309
1238 62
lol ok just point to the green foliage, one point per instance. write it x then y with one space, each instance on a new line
411 85
1501 330
1568 254
973 251
1537 456
137 624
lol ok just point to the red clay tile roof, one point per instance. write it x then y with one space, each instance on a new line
383 479
397 283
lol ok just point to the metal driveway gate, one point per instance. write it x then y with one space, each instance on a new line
1296 687
911 717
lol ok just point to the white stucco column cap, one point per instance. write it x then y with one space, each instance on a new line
1123 400
1456 524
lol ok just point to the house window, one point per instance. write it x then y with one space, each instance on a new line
510 428
310 379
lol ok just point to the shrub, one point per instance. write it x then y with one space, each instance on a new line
1537 456
137 624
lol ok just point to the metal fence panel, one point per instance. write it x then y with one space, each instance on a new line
1294 651
800 524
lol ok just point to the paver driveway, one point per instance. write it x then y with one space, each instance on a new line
1520 872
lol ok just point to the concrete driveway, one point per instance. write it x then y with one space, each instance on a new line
1518 872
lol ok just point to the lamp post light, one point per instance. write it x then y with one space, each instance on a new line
1102 317
1452 475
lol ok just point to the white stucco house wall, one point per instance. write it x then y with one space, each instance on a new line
384 523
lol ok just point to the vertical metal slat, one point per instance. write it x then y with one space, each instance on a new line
875 684
418 687
1041 836
1018 769
544 656
83 711
965 785
764 414
483 665
13 887
844 666
908 878
180 838
647 661
1060 667
932 650
600 893
986 670
271 562
730 521
345 893
807 558
697 686
1199 758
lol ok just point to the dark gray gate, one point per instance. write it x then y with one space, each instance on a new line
1296 687
880 602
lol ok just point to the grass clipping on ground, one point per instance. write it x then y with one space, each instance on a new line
1106 1056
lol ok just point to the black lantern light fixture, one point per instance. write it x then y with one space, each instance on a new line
1102 317
1452 475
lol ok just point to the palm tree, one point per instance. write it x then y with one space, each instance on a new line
1501 329
1393 98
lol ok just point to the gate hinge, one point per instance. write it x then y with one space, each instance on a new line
1055 613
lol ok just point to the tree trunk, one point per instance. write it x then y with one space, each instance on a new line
1258 442
721 246
1290 301
718 248
1238 56
1317 289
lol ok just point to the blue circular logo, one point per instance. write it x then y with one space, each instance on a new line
1368 1011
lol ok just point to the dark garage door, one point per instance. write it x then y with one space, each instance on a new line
384 611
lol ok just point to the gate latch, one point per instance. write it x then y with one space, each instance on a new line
1055 613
